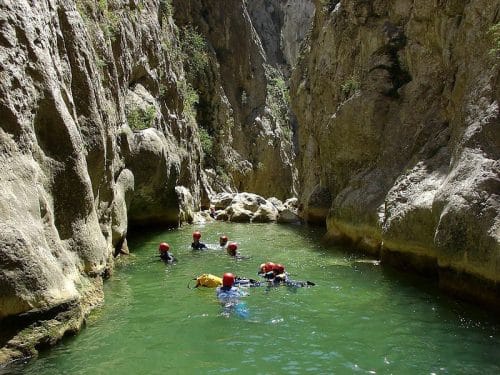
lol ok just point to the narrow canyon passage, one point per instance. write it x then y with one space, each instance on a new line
359 317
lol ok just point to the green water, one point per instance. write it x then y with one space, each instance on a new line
359 318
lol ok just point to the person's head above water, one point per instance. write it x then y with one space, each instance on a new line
228 279
279 269
231 248
266 267
269 266
223 240
164 247
196 235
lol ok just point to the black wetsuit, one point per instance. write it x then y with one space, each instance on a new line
198 246
167 257
247 282
282 279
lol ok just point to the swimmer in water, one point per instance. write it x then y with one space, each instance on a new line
196 244
277 276
165 255
232 248
223 241
229 296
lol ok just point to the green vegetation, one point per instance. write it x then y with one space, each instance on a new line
166 8
107 19
278 93
206 140
194 52
190 98
140 119
494 32
350 85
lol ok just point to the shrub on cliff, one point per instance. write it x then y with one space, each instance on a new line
141 118
494 31
195 52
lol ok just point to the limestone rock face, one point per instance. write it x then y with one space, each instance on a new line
243 94
93 137
398 111
281 26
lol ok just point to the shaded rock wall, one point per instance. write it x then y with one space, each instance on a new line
398 106
243 92
75 78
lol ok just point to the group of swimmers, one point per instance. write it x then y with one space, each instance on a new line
231 248
229 288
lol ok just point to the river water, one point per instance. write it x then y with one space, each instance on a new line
358 318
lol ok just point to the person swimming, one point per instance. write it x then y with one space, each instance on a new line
265 268
232 248
229 297
223 241
276 275
165 255
196 244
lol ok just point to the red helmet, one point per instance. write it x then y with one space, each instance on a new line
164 247
269 266
233 246
279 268
223 238
197 235
228 279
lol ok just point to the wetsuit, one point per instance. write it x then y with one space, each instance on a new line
167 257
247 282
229 295
282 279
237 256
198 246
229 298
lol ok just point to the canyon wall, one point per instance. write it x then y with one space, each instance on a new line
398 106
103 123
93 138
243 90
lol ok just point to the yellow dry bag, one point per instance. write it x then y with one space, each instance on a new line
208 280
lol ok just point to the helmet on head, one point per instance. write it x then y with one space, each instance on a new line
269 266
231 248
228 279
262 267
279 268
197 235
164 247
223 238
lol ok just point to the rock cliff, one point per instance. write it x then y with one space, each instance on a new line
243 89
398 106
109 112
94 136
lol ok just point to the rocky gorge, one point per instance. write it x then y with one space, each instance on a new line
119 114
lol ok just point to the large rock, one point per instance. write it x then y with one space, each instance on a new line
287 212
399 122
248 207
